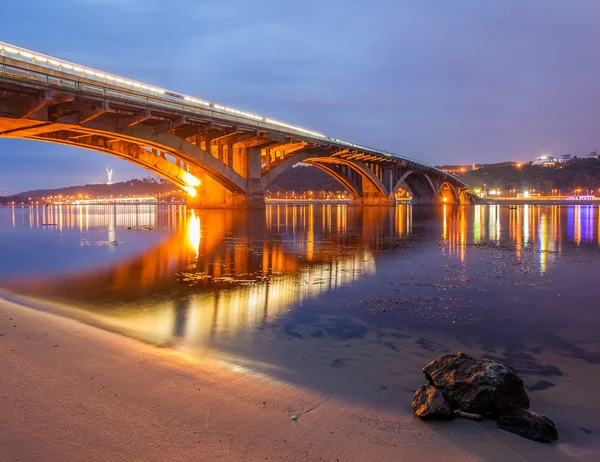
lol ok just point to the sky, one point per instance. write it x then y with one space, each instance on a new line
443 81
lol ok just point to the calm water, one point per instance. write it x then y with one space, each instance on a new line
345 300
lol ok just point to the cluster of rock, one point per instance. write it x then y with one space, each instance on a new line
461 384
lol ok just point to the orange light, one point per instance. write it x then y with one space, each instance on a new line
191 191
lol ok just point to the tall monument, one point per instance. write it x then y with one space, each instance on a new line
109 172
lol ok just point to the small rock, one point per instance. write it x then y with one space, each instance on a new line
429 404
337 362
294 417
528 424
477 385
468 415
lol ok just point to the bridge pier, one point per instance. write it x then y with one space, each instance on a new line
213 195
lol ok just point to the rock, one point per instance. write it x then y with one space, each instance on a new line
429 404
477 385
468 415
529 425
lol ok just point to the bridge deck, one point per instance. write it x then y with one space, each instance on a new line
19 63
191 141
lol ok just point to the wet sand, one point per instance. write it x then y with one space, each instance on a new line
71 391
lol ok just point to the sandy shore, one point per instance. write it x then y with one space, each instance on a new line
70 391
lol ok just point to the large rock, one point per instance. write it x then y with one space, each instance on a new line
529 424
477 385
429 404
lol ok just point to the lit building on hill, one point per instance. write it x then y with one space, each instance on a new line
564 158
546 161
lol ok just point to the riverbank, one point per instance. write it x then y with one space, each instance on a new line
514 201
74 392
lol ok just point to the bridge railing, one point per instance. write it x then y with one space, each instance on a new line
26 64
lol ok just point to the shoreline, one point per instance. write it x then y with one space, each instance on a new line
541 202
72 391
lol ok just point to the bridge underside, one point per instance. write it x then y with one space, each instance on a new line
220 163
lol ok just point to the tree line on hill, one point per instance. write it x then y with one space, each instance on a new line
582 174
135 187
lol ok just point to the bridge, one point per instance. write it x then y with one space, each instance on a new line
222 157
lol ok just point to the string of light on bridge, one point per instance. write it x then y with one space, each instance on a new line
87 72
62 65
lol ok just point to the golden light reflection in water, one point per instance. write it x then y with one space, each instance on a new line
194 232
525 240
403 219
445 223
236 286
85 217
243 271
543 239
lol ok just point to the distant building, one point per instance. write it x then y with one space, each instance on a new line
564 158
546 161
458 169
592 155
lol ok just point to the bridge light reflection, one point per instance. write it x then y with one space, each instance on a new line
194 232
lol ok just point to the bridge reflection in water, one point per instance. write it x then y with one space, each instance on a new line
222 275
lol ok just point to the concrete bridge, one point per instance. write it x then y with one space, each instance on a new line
221 156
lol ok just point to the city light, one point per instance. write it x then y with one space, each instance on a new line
190 180
191 191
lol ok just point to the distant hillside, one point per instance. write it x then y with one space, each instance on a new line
145 187
300 179
581 174
303 179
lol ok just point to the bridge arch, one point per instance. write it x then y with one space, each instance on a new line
448 193
341 177
420 186
365 181
466 197
129 152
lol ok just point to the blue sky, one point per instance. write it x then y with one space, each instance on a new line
445 81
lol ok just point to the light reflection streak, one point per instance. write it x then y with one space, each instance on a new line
543 239
477 224
525 239
445 222
577 224
194 232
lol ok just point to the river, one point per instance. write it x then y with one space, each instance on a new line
348 301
